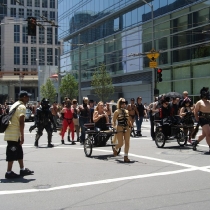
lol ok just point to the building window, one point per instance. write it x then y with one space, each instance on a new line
29 12
52 15
33 56
33 71
13 2
17 55
17 70
41 56
36 13
49 35
16 34
56 36
33 39
13 12
37 3
25 55
21 2
25 70
49 56
21 13
29 3
44 13
52 3
44 3
56 56
41 35
25 34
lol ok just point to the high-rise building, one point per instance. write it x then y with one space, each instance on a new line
120 34
21 54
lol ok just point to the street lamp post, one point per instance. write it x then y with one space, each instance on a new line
80 92
153 46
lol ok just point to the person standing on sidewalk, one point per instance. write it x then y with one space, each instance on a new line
14 135
142 113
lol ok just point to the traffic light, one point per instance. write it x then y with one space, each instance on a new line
159 75
31 26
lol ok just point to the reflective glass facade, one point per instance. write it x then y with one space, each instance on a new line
119 33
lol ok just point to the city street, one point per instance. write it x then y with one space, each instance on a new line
172 178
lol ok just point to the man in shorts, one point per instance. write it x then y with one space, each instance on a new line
14 135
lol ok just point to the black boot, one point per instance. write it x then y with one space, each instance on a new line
50 140
194 144
62 141
36 143
50 145
68 138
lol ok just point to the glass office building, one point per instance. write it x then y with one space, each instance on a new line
119 33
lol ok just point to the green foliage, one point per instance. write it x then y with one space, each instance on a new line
102 83
69 87
48 91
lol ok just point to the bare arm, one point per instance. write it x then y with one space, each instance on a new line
22 124
197 107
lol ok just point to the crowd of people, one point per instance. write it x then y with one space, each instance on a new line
74 116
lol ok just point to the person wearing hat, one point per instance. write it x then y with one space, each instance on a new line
14 135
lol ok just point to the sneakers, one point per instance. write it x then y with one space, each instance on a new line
26 172
12 175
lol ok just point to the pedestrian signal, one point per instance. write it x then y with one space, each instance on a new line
31 26
159 75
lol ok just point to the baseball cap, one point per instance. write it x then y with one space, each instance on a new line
24 93
132 99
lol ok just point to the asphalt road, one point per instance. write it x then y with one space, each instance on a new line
172 178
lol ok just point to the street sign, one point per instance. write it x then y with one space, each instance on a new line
153 55
152 64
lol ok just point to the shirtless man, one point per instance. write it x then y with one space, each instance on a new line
132 110
202 115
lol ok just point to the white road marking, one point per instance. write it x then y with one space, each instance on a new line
106 181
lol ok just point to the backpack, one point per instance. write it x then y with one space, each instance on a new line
5 120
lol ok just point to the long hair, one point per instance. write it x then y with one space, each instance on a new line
119 103
100 102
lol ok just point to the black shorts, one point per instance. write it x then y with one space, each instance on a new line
14 151
204 121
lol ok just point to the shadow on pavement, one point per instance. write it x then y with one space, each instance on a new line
19 180
102 157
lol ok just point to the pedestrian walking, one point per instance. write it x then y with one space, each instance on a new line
122 124
142 113
202 116
14 135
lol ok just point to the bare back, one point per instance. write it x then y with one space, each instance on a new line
202 106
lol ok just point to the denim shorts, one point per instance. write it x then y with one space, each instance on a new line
14 151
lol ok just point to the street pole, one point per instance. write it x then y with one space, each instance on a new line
59 76
154 83
80 94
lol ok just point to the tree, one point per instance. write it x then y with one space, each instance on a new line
48 91
102 83
69 87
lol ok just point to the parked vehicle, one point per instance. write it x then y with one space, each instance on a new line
29 115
